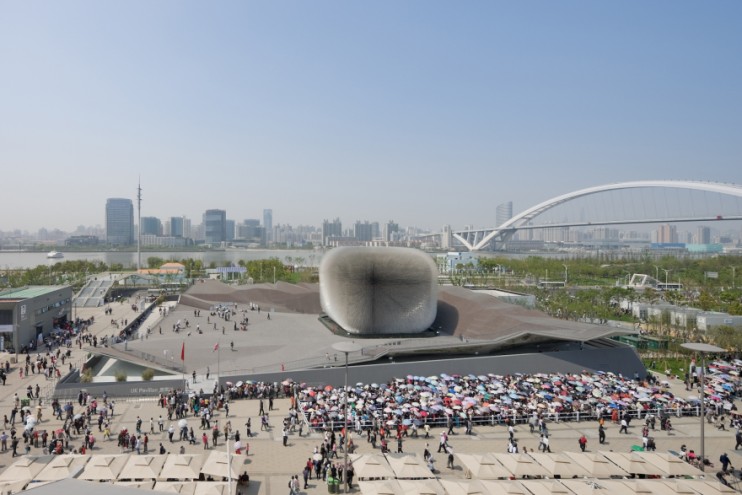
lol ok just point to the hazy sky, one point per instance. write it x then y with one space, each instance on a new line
425 112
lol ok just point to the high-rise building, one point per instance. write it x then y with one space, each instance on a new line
667 234
503 213
268 224
703 235
364 231
391 228
215 226
446 237
151 226
251 231
119 221
331 229
176 226
230 230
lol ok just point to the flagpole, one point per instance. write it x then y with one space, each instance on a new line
229 465
182 360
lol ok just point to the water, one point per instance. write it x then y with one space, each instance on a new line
19 260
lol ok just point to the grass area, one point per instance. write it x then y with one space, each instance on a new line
677 365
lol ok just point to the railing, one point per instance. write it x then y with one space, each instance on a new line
150 358
499 420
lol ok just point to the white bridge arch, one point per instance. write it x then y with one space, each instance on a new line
512 225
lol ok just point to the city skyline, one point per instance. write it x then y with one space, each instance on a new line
430 113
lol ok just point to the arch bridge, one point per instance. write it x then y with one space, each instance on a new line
650 204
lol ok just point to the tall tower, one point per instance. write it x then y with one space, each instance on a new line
703 235
503 213
139 225
268 224
215 226
119 221
331 229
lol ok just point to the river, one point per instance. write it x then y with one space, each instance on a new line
21 260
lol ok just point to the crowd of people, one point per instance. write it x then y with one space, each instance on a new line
416 401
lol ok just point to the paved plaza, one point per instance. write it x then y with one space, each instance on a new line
270 464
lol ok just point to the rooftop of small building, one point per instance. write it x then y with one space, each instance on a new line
29 292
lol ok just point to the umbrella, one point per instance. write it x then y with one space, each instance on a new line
61 466
632 463
408 466
670 464
24 469
182 467
466 487
142 467
103 467
214 488
142 485
381 487
596 464
13 486
545 487
421 487
371 466
558 464
176 487
520 465
216 464
482 466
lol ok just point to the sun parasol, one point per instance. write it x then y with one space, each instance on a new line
371 466
24 469
670 464
61 466
181 467
520 465
175 487
408 466
559 465
142 467
216 465
421 487
381 487
466 487
103 467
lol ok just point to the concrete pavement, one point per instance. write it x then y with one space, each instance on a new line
270 464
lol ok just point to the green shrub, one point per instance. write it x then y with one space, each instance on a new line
148 374
120 376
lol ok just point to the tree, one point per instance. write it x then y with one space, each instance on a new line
729 338
155 262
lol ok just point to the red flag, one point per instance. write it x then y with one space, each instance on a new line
182 352
216 347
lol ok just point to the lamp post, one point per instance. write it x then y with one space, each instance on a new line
656 273
702 349
667 271
346 348
566 274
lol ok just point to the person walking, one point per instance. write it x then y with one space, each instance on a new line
725 462
583 442
442 442
285 437
624 426
601 434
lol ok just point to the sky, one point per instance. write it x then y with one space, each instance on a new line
426 112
